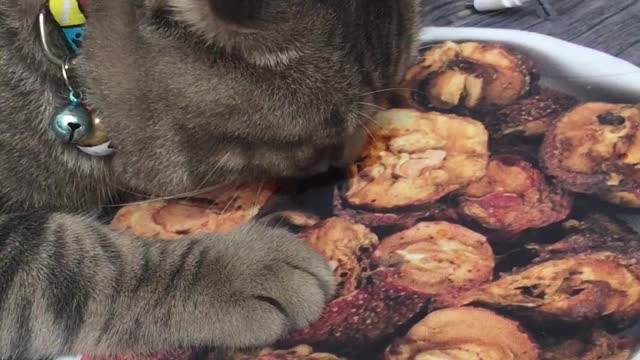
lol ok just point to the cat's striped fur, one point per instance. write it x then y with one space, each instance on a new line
182 90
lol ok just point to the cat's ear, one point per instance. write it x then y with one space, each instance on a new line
221 16
243 13
251 28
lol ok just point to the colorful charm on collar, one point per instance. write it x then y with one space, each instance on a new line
71 19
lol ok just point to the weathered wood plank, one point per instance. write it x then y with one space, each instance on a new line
618 33
609 26
632 53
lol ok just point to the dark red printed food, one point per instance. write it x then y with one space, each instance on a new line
177 354
590 345
374 311
531 115
514 196
472 76
593 232
347 246
595 149
402 218
415 265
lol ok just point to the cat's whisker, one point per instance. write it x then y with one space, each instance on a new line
172 197
213 170
224 211
429 46
383 90
372 105
131 192
393 89
279 222
199 190
367 130
365 126
255 202
372 120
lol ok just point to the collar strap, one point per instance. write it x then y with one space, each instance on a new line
70 15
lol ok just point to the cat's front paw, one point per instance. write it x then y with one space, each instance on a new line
271 283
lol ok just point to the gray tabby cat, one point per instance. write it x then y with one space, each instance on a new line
249 88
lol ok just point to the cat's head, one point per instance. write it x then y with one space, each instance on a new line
197 91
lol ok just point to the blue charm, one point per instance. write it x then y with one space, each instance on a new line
73 123
74 36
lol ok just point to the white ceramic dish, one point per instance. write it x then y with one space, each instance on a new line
581 71
589 74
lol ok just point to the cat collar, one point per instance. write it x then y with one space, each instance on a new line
75 123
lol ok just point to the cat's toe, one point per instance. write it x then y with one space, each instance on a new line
255 323
299 293
272 283
294 279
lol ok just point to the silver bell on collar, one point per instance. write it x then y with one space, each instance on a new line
73 123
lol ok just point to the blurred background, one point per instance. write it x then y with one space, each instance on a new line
612 26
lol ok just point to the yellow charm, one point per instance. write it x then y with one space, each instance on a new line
67 13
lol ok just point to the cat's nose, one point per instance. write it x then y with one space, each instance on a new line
350 149
338 156
318 167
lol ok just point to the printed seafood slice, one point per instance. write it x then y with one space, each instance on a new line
470 75
221 210
514 196
464 333
292 218
595 149
415 158
437 257
575 288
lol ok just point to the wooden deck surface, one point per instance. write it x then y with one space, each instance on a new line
612 26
